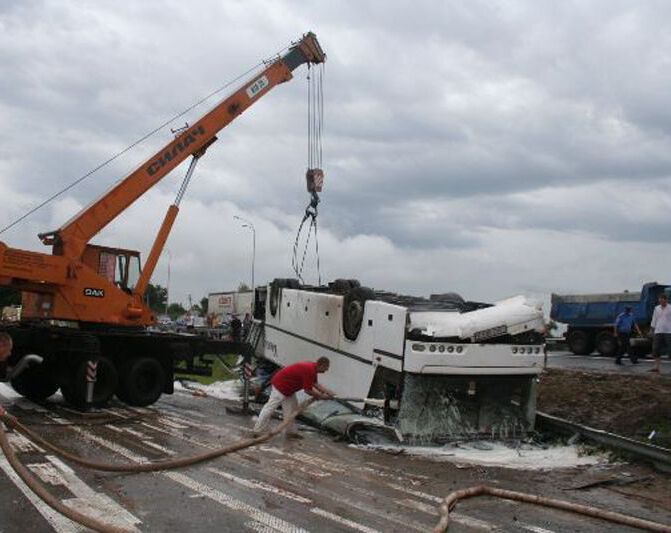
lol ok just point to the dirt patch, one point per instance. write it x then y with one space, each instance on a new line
631 405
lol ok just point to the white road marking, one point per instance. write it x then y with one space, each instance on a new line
419 506
260 485
143 439
48 473
343 521
95 504
171 424
235 505
57 521
418 493
535 529
218 496
259 528
22 444
457 518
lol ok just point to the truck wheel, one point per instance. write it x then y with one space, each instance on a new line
580 342
34 383
142 382
606 344
107 379
353 310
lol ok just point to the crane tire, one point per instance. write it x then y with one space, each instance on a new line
354 304
107 379
34 383
142 382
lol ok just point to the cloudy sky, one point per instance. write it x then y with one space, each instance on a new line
489 148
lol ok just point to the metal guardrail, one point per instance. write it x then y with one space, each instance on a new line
659 456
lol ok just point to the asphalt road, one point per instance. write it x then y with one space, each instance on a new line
316 484
604 364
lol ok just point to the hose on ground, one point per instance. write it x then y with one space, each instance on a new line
12 423
154 466
53 502
453 498
445 508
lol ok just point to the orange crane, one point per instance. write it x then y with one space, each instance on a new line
99 291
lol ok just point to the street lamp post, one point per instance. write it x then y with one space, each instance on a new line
249 225
248 352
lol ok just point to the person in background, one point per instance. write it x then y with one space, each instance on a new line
625 324
285 384
661 326
236 328
246 325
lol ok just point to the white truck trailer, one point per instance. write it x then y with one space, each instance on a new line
446 368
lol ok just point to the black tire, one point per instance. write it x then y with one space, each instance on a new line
274 299
107 380
580 342
34 383
142 382
276 290
448 297
607 344
340 286
353 310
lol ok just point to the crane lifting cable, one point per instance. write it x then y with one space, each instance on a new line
314 176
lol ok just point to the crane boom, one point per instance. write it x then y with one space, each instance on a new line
83 282
71 238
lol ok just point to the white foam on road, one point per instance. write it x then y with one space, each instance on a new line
222 390
499 455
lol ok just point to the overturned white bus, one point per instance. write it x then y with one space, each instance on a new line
442 368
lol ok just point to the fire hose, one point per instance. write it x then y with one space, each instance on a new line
12 423
444 510
483 490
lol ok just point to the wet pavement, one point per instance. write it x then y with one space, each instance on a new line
605 364
315 484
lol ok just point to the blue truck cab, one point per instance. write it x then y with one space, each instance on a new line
590 318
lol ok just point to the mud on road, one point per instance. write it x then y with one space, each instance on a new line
315 484
633 405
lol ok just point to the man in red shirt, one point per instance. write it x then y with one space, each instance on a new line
285 384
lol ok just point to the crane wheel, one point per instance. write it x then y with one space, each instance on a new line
142 382
353 309
34 383
107 379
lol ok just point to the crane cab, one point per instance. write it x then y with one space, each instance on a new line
118 266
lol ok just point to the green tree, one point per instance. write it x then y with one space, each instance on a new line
204 304
243 287
9 297
156 297
175 310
